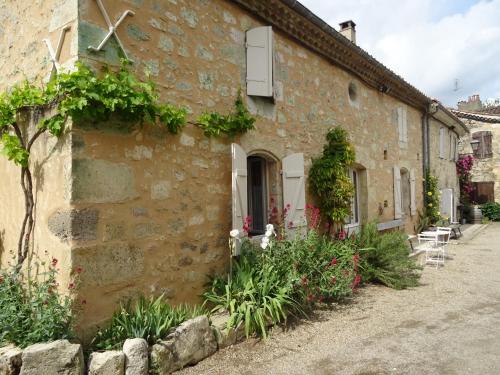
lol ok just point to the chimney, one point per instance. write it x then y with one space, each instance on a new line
348 29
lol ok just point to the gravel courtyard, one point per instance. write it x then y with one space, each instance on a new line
449 325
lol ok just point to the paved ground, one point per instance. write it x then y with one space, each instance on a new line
449 325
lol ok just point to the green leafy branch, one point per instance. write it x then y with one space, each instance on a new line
86 96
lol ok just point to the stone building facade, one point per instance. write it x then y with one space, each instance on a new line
484 126
143 211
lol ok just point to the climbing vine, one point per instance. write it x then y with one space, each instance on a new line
329 180
432 196
84 95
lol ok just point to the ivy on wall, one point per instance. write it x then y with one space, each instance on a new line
86 96
329 180
432 198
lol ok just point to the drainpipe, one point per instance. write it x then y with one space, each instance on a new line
426 159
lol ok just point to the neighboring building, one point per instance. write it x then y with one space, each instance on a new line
484 126
145 211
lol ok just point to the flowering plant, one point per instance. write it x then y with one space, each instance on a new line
432 198
464 167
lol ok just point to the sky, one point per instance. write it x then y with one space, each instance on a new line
448 49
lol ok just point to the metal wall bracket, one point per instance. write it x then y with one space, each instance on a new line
54 55
112 29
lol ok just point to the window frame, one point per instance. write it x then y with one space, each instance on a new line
355 201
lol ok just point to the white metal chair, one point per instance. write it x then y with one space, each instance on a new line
434 252
443 238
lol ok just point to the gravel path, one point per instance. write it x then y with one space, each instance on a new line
449 325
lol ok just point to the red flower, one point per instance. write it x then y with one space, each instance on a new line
71 286
333 262
290 224
78 270
305 281
333 280
310 298
84 302
54 262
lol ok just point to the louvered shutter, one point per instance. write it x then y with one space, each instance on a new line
478 136
239 186
399 112
446 204
413 203
259 46
488 152
405 127
441 143
397 193
294 196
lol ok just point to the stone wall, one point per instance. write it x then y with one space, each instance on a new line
142 211
443 168
23 26
488 169
163 202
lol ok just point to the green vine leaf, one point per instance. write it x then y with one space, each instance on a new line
13 149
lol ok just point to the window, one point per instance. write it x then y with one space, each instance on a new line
257 193
404 192
259 46
402 126
484 150
353 219
353 92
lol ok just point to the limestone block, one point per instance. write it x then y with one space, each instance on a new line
10 360
101 181
226 336
54 358
191 342
136 357
107 363
80 225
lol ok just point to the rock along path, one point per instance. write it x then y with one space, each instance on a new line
449 325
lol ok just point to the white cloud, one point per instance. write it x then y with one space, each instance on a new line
430 43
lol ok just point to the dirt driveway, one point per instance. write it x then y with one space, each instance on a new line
449 325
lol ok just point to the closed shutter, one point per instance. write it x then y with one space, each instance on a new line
483 192
441 142
488 151
397 193
402 125
413 203
456 149
259 46
239 186
452 145
294 196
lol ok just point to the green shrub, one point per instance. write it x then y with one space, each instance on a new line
148 318
385 258
319 269
491 211
256 294
31 308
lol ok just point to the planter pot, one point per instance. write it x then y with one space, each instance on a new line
476 215
463 221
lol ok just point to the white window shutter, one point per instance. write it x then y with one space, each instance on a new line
294 193
405 126
413 203
400 123
259 46
239 186
397 193
441 143
446 204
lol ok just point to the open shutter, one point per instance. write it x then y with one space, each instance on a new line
441 143
294 196
239 186
413 203
259 46
446 204
397 193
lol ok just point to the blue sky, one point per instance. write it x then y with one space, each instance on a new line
431 43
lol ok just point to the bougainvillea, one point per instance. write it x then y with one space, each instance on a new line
464 167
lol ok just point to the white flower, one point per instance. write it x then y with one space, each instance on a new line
265 239
234 233
268 233
263 245
269 227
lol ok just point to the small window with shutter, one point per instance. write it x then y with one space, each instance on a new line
484 149
402 127
259 46
441 142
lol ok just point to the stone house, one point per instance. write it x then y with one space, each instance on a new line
484 126
144 211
